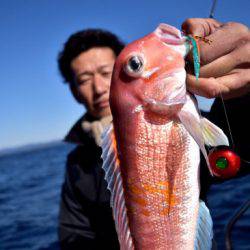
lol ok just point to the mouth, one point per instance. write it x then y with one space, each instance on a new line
101 104
164 108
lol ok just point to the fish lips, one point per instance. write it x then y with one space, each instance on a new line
165 107
175 95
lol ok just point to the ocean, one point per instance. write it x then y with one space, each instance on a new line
30 186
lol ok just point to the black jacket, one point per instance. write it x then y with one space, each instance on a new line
85 220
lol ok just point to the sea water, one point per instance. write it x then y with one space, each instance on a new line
30 186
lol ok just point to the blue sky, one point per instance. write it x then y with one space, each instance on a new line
35 106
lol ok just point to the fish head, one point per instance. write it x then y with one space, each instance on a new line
150 73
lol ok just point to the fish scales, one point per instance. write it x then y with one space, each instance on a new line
159 209
151 153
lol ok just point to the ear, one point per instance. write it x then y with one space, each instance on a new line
172 37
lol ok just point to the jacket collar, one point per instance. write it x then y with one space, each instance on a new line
77 135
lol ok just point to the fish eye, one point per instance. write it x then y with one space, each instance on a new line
134 66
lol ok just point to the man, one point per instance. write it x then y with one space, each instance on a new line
86 63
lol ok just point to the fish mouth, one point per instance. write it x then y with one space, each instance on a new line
168 93
164 108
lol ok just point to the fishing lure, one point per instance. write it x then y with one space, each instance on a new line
224 162
193 45
196 54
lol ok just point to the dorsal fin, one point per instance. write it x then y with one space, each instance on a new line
113 177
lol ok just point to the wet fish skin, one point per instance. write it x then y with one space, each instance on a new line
156 140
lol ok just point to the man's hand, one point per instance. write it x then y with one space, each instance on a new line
225 62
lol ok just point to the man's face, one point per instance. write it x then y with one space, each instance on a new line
92 71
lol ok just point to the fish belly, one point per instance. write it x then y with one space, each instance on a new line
161 186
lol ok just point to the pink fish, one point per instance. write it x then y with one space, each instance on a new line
151 153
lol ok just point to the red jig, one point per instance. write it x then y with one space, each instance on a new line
224 162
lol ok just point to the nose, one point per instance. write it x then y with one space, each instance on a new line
100 84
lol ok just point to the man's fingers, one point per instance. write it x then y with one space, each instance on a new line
224 62
207 87
233 85
238 83
200 26
222 65
223 40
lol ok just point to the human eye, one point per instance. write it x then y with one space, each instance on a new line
84 81
107 73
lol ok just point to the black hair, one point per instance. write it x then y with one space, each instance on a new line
82 41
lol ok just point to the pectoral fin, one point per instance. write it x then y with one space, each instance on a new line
193 126
203 131
213 135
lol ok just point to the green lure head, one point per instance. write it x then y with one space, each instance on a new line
191 42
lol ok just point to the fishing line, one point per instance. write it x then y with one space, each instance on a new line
232 222
211 15
227 120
